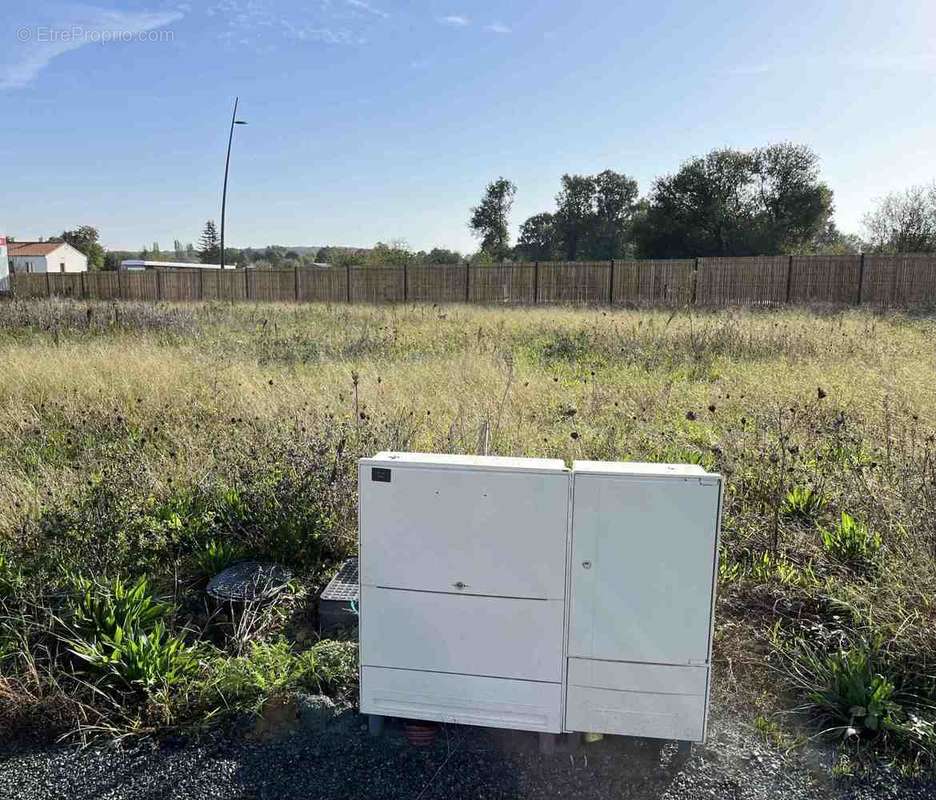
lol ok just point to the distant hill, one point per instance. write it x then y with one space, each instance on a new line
301 249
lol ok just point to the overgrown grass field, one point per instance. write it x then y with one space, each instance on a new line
144 447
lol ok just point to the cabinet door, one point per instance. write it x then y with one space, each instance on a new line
643 560
465 531
498 637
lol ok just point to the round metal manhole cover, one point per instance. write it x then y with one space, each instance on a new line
249 581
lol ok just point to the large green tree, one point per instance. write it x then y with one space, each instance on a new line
489 220
537 240
86 239
574 216
593 219
733 202
615 207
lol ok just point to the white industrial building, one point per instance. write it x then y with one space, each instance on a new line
39 257
137 264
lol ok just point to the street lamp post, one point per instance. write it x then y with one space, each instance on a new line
227 165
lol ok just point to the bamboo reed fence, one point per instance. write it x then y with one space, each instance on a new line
877 280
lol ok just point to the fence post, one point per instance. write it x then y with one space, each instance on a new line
467 282
48 284
348 281
201 284
81 283
861 268
535 282
695 281
789 278
296 282
159 291
405 283
246 285
611 284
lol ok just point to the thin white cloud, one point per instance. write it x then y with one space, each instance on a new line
362 5
455 20
36 46
497 27
259 23
326 35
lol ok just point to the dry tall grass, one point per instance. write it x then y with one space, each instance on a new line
841 403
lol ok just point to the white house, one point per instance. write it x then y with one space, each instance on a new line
28 257
4 266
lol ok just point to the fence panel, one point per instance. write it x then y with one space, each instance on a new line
29 285
272 285
322 285
65 284
751 280
376 284
232 285
899 280
508 284
586 282
103 285
211 288
665 282
140 286
179 286
916 282
439 283
824 279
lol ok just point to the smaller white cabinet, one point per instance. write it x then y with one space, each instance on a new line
642 574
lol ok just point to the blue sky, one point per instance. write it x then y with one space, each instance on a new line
383 119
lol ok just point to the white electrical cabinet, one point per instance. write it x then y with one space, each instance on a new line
513 592
642 574
463 587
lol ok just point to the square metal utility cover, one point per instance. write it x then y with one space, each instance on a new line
338 602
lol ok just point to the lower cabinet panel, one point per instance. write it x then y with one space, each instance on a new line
650 714
498 637
635 677
462 699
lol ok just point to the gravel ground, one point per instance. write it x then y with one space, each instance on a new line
338 760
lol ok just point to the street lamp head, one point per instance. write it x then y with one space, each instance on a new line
239 122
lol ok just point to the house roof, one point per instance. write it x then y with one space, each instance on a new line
32 248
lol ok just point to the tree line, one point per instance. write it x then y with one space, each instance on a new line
764 201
